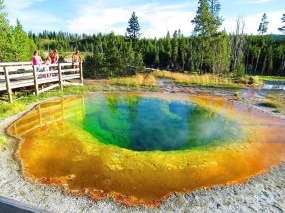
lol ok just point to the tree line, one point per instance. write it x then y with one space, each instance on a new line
208 50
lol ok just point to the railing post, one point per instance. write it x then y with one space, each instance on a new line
60 77
81 72
9 90
35 79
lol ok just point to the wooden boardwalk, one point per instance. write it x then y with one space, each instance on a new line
20 75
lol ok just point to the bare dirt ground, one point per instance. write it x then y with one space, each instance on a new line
262 193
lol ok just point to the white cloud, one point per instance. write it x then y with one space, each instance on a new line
252 22
18 5
98 21
32 19
154 19
161 22
254 1
261 1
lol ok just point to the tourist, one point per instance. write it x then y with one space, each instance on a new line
54 58
76 58
37 60
47 62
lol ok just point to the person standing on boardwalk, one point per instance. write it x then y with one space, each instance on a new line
54 58
47 62
76 58
37 60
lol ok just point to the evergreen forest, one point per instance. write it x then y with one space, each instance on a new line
208 50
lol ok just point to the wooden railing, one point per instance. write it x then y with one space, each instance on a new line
23 74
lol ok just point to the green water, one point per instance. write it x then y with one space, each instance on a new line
146 123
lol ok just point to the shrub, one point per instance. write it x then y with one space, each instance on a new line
272 104
236 94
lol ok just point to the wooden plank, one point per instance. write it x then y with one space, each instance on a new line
48 72
53 72
68 64
2 64
48 80
21 75
72 76
3 88
53 65
48 88
25 83
70 70
17 68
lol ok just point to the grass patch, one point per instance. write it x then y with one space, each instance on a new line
3 139
272 104
203 80
139 80
272 78
249 80
7 109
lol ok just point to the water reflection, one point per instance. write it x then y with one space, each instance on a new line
57 148
45 114
143 124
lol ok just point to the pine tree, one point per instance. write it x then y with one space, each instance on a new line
138 63
215 7
133 31
98 59
21 46
167 51
263 26
174 49
205 22
156 63
206 26
5 34
182 52
282 29
112 58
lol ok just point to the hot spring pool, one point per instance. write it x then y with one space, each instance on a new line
140 148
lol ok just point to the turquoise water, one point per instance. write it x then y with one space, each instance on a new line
146 123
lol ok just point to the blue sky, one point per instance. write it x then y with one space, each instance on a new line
156 17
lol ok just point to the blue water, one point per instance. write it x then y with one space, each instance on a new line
145 123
